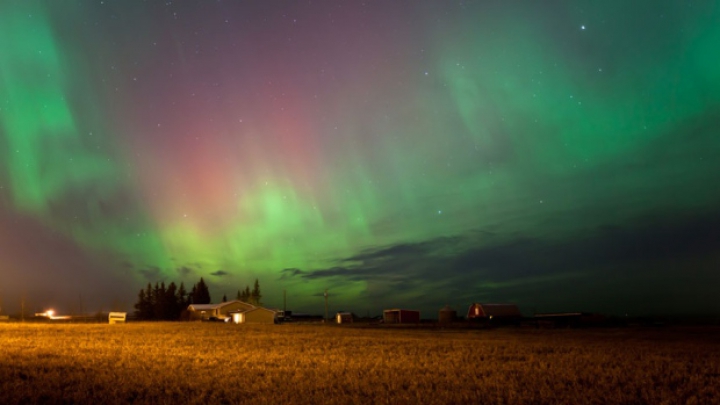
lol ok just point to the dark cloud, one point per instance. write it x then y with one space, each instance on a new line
289 273
152 273
184 271
533 270
219 273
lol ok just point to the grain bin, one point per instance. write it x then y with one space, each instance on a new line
447 314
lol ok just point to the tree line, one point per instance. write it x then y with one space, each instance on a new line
251 297
167 303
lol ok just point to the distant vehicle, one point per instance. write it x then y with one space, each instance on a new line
50 314
216 319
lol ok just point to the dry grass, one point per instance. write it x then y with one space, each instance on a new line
170 363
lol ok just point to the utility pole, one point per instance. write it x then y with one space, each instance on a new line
326 306
22 308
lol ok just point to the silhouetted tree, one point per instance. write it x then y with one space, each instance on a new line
144 307
192 295
141 306
224 298
182 297
150 299
148 294
172 306
244 294
255 296
159 301
201 293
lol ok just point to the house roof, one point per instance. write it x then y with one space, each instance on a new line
210 307
261 308
202 307
237 311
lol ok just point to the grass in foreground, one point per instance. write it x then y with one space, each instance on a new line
170 363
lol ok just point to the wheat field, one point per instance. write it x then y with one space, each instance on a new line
214 363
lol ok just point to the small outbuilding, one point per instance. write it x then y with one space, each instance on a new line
344 317
401 316
447 314
256 315
494 312
117 317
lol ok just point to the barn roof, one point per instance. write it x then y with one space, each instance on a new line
500 309
558 314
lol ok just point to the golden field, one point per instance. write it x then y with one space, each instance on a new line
214 363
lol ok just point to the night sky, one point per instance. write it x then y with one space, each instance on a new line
562 155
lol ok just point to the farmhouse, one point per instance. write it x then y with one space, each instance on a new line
217 311
401 316
494 312
254 315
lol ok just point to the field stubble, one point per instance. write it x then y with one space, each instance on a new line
207 363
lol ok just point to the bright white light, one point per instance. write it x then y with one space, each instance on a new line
582 27
50 313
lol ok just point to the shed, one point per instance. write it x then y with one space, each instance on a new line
447 314
255 315
494 311
344 317
401 316
117 317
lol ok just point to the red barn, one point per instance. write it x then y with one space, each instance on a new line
401 316
493 311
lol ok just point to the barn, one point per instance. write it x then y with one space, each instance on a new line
495 312
401 316
216 311
255 315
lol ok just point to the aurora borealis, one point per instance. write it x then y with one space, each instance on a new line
561 155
